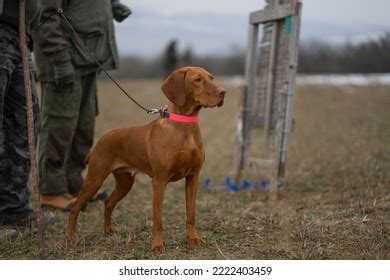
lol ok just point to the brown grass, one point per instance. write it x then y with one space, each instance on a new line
336 204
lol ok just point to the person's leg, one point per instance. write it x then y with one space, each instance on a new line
84 133
16 139
8 198
5 161
14 165
60 111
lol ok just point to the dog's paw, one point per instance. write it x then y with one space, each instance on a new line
158 248
71 237
194 241
110 230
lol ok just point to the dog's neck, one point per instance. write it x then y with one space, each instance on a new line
185 110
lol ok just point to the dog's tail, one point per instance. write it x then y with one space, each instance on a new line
87 158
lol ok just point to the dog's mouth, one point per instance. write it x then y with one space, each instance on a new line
220 103
217 101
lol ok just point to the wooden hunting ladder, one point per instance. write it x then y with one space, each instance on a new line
268 91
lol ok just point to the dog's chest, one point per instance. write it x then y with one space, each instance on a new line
187 160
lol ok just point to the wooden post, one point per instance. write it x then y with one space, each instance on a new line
250 76
292 71
245 121
240 146
270 87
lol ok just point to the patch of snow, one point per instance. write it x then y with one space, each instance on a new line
324 80
343 80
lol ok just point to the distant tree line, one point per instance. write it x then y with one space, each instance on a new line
366 57
315 57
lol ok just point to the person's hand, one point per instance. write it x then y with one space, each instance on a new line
120 11
64 73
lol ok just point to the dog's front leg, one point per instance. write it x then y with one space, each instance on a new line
191 191
158 199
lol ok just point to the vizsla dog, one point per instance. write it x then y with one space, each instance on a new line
167 150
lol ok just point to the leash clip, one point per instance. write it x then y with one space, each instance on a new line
153 111
164 112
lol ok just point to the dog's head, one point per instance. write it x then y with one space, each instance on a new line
193 86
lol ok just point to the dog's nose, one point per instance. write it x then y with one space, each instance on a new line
222 91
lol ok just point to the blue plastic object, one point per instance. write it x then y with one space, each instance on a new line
207 182
231 186
246 185
265 185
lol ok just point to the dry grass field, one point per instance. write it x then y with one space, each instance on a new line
336 203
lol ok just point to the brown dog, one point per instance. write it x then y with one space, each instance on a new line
167 150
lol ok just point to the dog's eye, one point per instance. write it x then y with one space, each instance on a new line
198 79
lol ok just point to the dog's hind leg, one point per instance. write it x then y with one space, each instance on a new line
124 182
92 184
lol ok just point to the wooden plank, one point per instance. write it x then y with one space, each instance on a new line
250 79
270 87
240 147
271 14
294 45
244 125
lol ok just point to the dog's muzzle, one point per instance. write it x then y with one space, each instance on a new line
221 93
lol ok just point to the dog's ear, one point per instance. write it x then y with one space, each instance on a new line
174 87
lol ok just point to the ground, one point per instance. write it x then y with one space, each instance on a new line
335 204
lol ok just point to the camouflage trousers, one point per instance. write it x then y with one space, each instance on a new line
14 153
68 123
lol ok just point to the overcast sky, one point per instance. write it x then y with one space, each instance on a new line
332 11
154 22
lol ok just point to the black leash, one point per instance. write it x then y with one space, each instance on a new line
85 48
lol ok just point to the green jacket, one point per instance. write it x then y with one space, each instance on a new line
55 43
9 13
